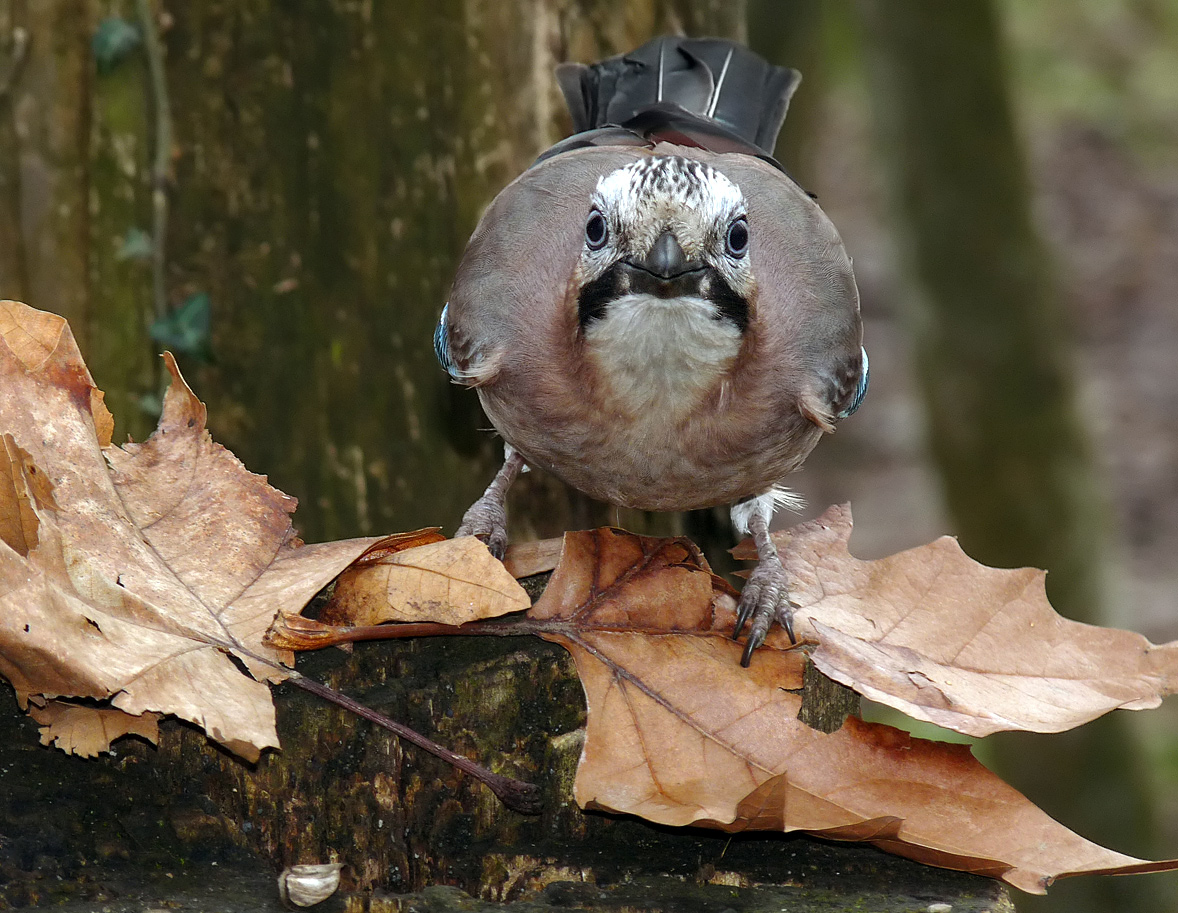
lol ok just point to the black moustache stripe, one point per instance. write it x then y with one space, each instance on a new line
596 296
730 303
622 279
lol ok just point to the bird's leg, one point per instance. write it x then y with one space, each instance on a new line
487 517
765 596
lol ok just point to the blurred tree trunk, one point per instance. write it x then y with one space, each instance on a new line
45 98
329 162
992 357
790 34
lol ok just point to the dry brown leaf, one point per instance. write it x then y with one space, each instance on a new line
127 573
382 586
527 559
88 731
423 576
22 486
389 545
680 734
945 639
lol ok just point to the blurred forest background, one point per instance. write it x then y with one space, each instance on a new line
279 193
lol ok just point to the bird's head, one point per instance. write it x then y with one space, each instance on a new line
670 231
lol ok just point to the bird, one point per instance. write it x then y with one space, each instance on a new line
655 311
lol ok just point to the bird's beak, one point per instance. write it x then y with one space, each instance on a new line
666 259
665 272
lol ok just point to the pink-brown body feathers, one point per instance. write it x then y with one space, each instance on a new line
515 334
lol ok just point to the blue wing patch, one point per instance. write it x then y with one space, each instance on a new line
860 390
442 344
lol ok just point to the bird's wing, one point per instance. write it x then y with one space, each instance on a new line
854 385
508 315
805 317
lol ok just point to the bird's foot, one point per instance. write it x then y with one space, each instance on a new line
487 517
764 599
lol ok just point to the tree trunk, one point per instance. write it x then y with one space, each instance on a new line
993 364
155 826
46 87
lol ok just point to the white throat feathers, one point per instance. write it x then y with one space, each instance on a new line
665 284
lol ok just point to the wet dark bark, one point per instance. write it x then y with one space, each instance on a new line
401 821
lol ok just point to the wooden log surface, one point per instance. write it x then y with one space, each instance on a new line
190 825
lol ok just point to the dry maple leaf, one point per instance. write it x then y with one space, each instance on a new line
526 559
87 731
423 576
680 734
945 639
422 580
128 574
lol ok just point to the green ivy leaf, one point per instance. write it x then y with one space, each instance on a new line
113 40
136 245
187 329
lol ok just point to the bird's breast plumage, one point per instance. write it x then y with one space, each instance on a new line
660 361
658 404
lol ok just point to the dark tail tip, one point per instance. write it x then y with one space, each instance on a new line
712 78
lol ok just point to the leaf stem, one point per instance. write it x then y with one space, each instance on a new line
517 795
333 635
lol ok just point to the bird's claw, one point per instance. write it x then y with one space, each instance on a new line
487 520
765 599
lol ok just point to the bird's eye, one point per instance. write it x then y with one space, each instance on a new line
737 240
596 231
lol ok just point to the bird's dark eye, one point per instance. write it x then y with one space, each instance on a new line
596 231
737 240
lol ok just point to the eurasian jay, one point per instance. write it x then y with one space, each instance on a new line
654 311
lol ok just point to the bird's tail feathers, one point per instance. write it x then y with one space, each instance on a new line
712 78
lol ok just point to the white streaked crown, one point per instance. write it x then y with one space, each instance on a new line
642 199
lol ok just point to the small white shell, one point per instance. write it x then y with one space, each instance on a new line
306 885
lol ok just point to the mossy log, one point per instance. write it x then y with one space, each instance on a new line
150 823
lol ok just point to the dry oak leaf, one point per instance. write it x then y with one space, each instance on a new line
680 734
128 574
945 639
423 576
